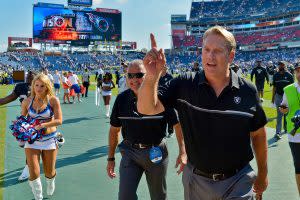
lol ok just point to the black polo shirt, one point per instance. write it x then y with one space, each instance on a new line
216 129
271 70
136 127
260 74
22 90
163 80
281 80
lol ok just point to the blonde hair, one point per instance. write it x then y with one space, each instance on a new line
45 79
228 36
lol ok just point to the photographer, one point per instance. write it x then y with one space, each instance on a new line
291 106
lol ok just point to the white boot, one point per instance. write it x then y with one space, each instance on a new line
50 185
37 190
25 174
107 110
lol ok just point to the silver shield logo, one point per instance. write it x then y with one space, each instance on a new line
237 100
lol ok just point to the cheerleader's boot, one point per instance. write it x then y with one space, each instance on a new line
25 174
50 185
37 190
107 107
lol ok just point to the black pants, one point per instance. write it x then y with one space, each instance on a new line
260 85
133 164
295 149
86 85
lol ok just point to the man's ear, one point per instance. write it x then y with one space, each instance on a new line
231 56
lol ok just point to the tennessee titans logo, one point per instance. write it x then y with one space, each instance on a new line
99 22
237 100
59 21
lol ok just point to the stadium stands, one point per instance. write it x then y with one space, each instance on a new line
242 8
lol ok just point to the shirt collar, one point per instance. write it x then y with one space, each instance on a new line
234 79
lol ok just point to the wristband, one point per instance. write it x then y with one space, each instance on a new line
111 159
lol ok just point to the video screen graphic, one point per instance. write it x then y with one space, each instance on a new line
80 2
61 25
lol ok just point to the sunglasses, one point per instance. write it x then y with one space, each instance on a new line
135 75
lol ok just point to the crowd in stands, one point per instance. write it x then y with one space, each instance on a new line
177 62
269 36
229 8
246 38
75 61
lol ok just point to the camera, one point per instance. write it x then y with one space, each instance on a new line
282 106
296 121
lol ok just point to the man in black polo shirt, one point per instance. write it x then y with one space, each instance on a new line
142 137
261 75
281 79
21 91
220 115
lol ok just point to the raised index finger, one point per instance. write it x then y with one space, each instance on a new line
153 41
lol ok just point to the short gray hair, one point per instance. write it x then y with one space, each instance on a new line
137 63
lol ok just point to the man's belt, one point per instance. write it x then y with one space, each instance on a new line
140 145
217 176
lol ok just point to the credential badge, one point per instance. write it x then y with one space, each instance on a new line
237 100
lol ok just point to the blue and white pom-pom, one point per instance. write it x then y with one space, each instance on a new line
24 131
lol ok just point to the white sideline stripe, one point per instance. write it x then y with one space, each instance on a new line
142 118
225 112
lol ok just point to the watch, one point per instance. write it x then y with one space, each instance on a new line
111 159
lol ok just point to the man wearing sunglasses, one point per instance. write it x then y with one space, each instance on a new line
221 116
135 75
143 148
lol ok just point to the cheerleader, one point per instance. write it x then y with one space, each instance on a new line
44 106
107 86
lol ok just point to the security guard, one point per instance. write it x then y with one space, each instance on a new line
220 115
261 75
143 148
291 106
281 79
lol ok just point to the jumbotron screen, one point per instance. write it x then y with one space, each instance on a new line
80 2
62 25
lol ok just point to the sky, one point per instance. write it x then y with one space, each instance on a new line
139 18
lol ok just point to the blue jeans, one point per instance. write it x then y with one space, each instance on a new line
277 101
